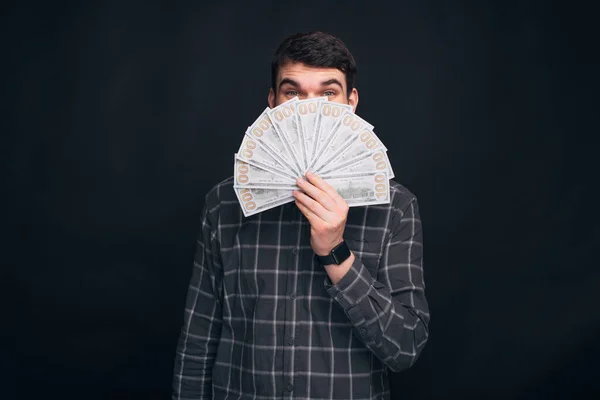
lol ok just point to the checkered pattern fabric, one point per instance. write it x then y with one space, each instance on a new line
263 321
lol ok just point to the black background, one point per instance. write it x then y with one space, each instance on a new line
124 114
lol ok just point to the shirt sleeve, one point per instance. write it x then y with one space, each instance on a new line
200 333
390 314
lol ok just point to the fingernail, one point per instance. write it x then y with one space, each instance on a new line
299 181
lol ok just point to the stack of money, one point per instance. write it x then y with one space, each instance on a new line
314 135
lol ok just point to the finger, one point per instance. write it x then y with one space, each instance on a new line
310 216
321 184
317 194
313 206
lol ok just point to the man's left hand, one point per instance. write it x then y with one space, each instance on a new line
326 211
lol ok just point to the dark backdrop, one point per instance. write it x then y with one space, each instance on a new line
124 114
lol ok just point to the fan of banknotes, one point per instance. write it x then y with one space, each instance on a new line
315 135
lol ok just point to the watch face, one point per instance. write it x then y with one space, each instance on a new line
340 253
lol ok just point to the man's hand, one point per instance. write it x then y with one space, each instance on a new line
326 211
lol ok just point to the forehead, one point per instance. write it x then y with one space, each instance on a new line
307 75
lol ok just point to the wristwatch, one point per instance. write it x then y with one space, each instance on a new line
338 255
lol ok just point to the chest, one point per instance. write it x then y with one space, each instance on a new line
270 273
272 249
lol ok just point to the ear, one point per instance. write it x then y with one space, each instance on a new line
271 98
353 99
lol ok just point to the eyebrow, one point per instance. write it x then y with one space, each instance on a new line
332 82
288 81
292 82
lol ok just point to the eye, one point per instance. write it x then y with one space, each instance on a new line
329 93
291 93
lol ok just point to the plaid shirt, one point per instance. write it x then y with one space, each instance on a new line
263 321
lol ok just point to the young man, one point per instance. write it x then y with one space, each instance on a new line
264 318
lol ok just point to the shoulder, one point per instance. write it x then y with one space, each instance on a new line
222 191
221 199
404 208
401 197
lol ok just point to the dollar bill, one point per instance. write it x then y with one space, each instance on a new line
346 129
254 201
357 189
263 132
308 110
256 153
285 121
376 161
327 116
248 175
362 189
364 143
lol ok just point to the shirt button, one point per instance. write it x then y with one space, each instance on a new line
363 331
295 251
293 296
339 295
290 387
291 341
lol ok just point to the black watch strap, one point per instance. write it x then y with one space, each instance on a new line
338 255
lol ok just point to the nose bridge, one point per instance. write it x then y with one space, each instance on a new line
311 86
312 90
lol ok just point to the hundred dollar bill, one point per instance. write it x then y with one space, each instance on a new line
253 201
248 175
255 153
285 122
307 117
364 143
263 132
377 161
362 189
347 128
327 116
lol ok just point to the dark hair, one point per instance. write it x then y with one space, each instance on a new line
315 49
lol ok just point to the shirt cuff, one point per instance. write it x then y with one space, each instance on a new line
354 287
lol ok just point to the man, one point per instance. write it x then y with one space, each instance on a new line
265 318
